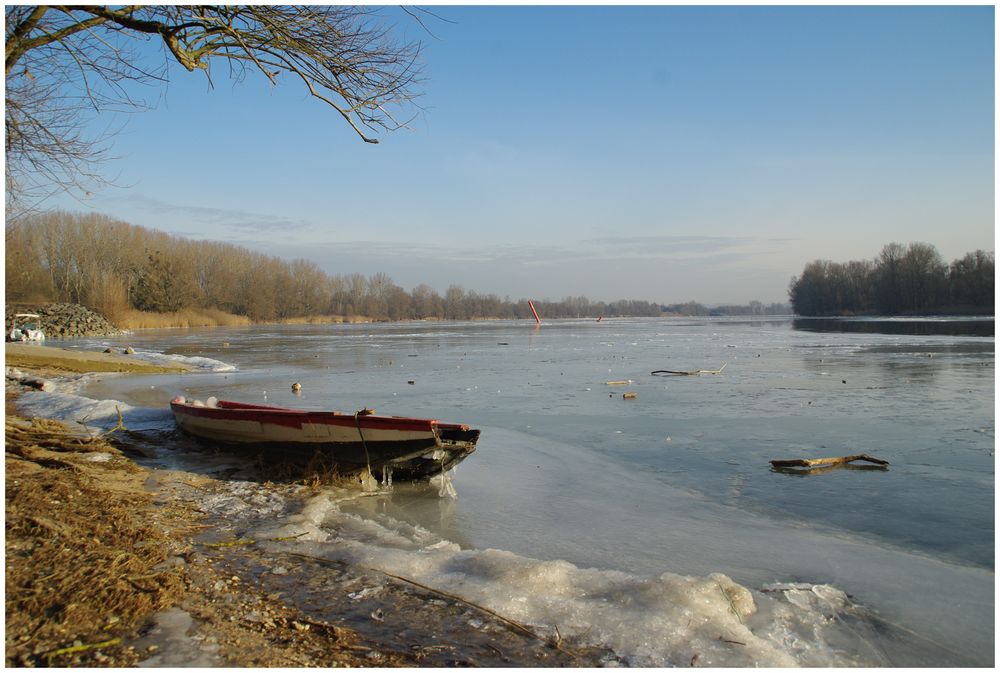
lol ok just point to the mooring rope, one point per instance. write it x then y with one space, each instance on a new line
364 445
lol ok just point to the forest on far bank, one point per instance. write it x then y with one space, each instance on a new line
117 268
901 280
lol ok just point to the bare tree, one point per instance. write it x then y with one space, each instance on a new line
66 63
973 279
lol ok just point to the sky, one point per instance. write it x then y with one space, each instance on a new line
662 153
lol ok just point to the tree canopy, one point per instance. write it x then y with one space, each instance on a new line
910 279
66 63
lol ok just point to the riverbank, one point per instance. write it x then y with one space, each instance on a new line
101 553
133 320
52 361
109 563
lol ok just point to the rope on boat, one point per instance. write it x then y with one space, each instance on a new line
364 445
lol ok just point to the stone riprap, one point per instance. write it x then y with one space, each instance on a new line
62 321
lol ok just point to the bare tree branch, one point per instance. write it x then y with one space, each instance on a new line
67 63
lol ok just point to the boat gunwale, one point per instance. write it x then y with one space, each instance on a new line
227 410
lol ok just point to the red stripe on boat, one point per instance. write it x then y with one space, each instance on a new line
294 418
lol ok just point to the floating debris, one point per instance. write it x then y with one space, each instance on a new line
822 462
693 372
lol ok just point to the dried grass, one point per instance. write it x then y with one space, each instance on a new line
81 548
210 317
317 473
190 317
325 320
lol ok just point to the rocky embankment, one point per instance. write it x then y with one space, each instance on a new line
63 321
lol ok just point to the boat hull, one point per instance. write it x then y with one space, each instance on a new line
411 449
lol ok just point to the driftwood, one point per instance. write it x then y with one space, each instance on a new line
693 372
815 462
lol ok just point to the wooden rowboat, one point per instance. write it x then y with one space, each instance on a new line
405 449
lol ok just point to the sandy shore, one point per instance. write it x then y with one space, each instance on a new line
113 564
48 359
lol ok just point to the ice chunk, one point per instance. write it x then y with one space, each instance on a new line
740 599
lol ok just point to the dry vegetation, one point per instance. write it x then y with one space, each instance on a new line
91 557
83 559
192 317
326 320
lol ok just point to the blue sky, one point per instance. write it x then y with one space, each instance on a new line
661 153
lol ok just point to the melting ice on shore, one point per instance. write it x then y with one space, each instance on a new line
198 362
667 620
93 414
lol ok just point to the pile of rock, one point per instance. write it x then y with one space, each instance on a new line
63 321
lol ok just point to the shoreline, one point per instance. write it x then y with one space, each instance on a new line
195 593
55 360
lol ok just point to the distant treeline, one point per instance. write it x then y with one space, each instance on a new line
115 267
912 279
693 308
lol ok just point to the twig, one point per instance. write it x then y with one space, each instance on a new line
239 542
506 620
287 538
73 649
119 426
515 625
732 606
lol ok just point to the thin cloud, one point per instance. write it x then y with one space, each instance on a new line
607 250
685 246
234 220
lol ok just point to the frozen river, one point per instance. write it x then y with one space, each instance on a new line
576 496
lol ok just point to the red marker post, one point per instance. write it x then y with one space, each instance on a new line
531 305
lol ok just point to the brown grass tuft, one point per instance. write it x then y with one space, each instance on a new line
82 552
189 317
